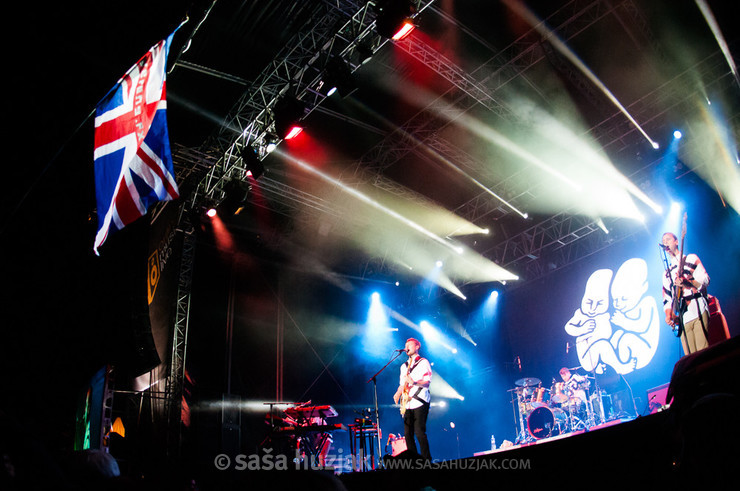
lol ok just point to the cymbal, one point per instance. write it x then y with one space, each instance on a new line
527 382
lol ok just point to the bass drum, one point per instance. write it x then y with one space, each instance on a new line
541 423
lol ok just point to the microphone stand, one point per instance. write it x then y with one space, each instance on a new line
517 406
666 263
373 379
632 396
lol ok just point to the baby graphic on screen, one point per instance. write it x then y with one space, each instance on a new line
635 317
592 328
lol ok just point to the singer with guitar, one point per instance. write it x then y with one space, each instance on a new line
413 395
684 294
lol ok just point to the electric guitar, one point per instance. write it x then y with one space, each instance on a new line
677 302
405 396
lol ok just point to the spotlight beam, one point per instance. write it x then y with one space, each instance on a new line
712 23
547 34
454 114
369 201
470 178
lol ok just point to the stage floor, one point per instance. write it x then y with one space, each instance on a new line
638 454
553 438
690 445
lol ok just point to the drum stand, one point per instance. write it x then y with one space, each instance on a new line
601 400
517 406
590 414
574 422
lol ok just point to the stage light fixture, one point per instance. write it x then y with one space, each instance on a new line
252 162
236 196
364 52
404 30
394 18
271 142
338 77
294 131
287 116
677 135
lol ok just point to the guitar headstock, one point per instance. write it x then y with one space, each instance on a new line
683 226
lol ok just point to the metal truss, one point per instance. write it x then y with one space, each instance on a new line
300 67
493 75
462 81
174 382
251 115
297 70
424 128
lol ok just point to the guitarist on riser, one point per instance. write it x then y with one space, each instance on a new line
413 395
684 296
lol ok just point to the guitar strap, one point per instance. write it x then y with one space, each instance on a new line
418 388
700 294
416 396
410 368
685 299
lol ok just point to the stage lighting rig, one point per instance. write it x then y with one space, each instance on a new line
252 162
338 77
287 115
236 192
364 52
271 141
394 18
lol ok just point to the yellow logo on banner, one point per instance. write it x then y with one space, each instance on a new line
153 275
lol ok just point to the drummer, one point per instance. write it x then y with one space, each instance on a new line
575 385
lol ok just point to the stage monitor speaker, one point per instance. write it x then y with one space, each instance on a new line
398 444
709 371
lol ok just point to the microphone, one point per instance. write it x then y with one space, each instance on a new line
664 247
399 350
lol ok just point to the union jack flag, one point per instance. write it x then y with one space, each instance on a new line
133 163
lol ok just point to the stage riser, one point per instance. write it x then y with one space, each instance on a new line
641 449
693 444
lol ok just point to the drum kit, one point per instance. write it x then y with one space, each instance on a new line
562 408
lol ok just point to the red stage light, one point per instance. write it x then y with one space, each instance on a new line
293 132
404 30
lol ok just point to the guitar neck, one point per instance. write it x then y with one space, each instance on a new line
678 287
